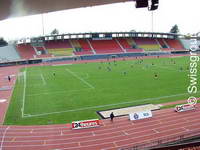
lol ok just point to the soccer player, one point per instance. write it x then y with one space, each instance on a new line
132 66
9 78
108 68
112 116
155 75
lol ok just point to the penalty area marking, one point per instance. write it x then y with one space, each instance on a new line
57 92
87 76
42 77
100 106
75 75
26 115
43 80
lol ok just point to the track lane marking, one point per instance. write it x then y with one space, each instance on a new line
3 137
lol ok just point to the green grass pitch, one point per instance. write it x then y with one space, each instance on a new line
65 93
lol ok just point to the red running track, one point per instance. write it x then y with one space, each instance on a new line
4 72
121 133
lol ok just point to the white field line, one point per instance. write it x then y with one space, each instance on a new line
75 75
87 76
24 94
100 106
1 147
41 75
43 80
57 92
170 68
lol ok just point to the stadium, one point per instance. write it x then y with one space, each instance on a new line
58 91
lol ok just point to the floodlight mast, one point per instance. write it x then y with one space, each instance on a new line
150 4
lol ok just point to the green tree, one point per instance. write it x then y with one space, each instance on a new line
175 29
133 30
55 32
3 42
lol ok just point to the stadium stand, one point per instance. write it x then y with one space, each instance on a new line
42 52
186 43
164 46
174 44
191 148
59 48
148 44
129 45
162 43
105 46
26 51
198 43
8 53
81 47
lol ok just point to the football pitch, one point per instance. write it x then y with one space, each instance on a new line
64 93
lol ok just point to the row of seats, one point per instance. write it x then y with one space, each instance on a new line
59 48
82 47
8 53
26 51
129 45
174 44
117 45
106 46
191 148
90 47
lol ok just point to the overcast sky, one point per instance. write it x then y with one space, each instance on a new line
113 17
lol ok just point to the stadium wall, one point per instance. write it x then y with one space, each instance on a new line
91 57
